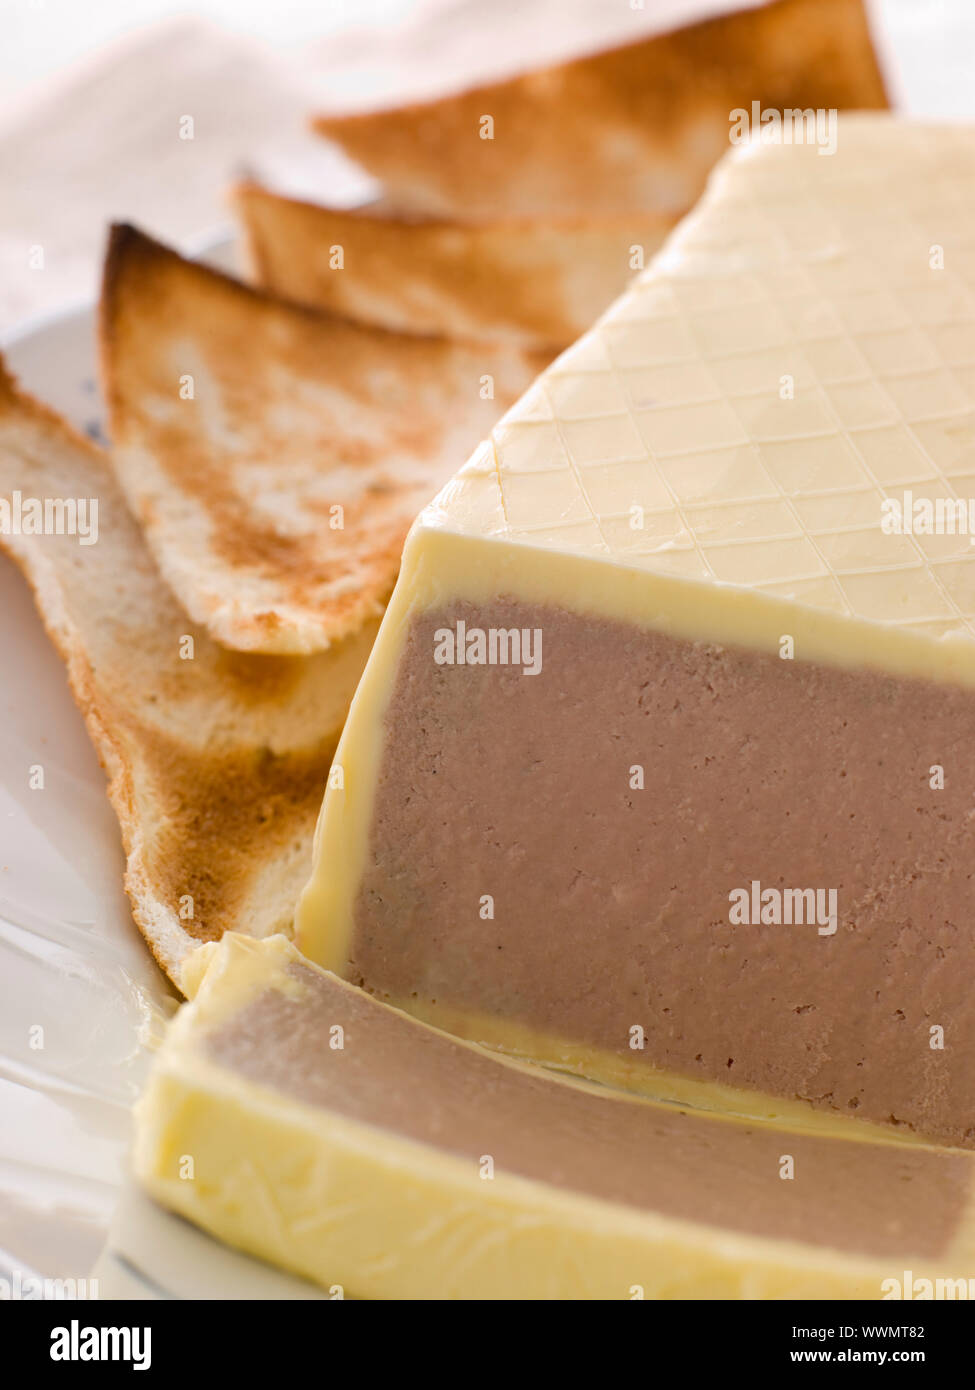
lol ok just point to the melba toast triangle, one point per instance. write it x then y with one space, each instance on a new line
635 127
276 457
534 282
215 759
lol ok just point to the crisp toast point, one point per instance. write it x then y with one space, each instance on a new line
216 763
537 283
276 456
637 126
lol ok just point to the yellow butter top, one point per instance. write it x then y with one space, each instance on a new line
801 353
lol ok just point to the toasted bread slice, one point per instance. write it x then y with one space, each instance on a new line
538 283
216 760
276 456
634 127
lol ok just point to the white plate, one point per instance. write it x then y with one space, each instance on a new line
80 996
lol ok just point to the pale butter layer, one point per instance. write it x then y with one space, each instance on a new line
348 1142
794 357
